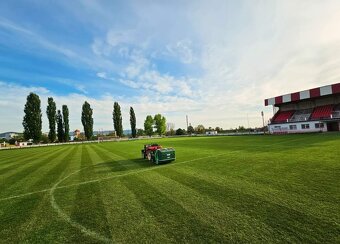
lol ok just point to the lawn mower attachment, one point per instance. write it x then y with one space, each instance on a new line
157 154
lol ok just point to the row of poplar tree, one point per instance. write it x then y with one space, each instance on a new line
59 121
32 121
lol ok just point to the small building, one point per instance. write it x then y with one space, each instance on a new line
211 132
76 133
8 135
24 143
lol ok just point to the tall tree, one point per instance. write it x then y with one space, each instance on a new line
51 112
148 123
140 132
117 119
87 120
191 130
32 122
66 123
133 122
180 132
60 127
160 123
200 129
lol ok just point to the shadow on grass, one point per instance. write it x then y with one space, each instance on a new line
112 166
117 163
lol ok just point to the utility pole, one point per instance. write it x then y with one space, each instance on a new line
248 123
187 122
262 114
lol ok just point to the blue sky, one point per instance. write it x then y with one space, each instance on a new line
212 60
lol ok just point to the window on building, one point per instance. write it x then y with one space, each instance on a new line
305 126
319 125
292 127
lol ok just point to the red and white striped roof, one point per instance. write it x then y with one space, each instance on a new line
302 95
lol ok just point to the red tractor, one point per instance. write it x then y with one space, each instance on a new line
157 154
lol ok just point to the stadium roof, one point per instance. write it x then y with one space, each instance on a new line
304 95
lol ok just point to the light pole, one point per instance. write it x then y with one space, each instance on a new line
262 114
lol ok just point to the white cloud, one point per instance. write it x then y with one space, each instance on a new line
130 83
182 50
137 65
114 38
102 75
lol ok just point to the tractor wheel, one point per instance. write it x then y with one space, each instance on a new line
149 156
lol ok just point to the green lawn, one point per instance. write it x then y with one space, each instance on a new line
220 189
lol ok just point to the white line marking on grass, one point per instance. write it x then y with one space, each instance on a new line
104 178
24 194
134 172
82 228
66 218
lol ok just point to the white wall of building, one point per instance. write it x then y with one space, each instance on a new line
299 127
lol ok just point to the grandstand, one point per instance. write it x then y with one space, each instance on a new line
313 110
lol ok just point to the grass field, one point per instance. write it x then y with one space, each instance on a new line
220 189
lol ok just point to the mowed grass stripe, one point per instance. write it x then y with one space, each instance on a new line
15 164
292 193
10 182
232 225
290 221
27 160
88 208
284 192
178 224
109 163
8 155
30 208
13 214
28 174
32 224
46 221
58 167
25 153
129 221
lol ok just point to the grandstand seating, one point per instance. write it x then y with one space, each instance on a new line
336 111
282 116
301 115
322 112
